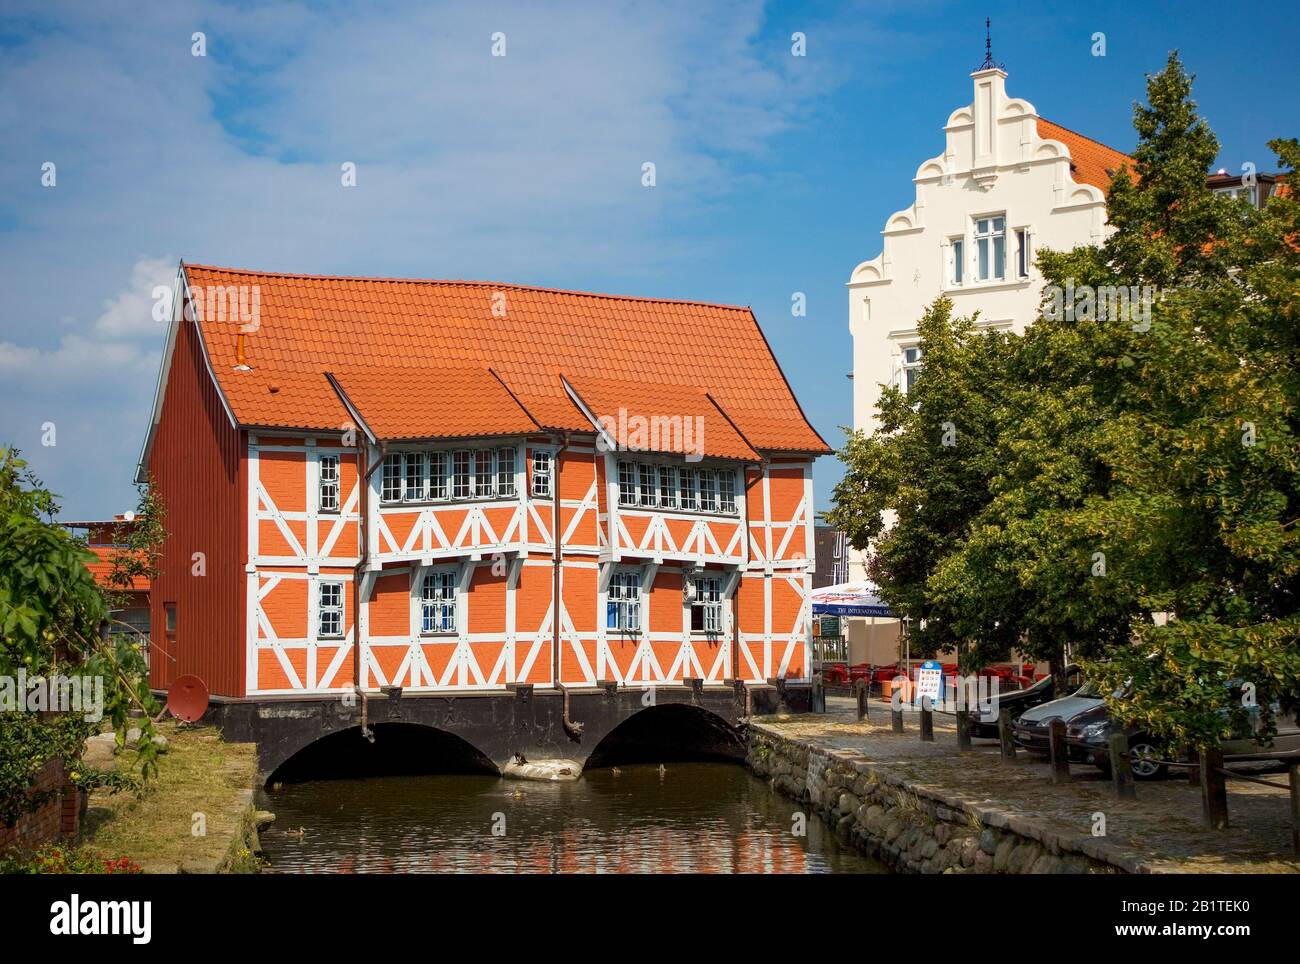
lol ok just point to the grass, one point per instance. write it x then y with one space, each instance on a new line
195 816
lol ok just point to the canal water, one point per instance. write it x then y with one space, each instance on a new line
691 817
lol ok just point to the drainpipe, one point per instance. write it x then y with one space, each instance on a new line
735 597
572 728
363 460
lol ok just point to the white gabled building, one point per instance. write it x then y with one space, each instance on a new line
1006 184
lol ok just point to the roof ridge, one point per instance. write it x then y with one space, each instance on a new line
1085 137
468 283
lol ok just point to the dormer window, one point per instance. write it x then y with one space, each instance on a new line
991 248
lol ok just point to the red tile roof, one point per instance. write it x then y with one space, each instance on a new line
420 403
309 325
1092 162
102 568
633 413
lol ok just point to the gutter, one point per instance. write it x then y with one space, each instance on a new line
572 728
363 453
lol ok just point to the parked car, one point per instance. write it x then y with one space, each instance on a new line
984 722
1090 735
1031 729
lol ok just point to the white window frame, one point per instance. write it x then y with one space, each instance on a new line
505 459
708 602
438 480
439 589
327 484
908 367
393 483
462 482
688 489
708 490
1024 251
647 488
667 478
542 462
415 476
623 602
727 492
627 484
986 243
957 257
485 473
329 611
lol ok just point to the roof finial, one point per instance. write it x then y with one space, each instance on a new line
989 63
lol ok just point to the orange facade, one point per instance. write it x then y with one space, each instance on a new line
495 560
374 483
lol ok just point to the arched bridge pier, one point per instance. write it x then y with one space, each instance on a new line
537 723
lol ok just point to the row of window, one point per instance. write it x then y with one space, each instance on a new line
990 261
653 485
440 476
438 604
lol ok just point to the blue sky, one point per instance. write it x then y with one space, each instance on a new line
774 173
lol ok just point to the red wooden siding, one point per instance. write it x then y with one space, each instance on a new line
197 467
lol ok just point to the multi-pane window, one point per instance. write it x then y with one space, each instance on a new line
329 610
706 608
667 487
438 602
623 603
911 368
627 483
991 248
484 473
438 475
505 472
726 490
958 260
461 470
1023 260
651 485
416 463
708 491
689 491
329 483
649 492
541 474
391 488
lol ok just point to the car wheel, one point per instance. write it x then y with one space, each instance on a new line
1144 760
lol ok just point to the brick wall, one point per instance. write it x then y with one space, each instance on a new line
58 819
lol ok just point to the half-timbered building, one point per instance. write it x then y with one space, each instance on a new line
457 486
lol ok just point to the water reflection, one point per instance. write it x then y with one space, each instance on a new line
691 818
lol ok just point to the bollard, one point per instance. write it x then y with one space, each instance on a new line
818 694
1005 735
963 730
927 721
862 690
1060 753
1121 767
1214 790
896 719
1295 809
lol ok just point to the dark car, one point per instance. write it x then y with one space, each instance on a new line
1089 735
1033 727
984 721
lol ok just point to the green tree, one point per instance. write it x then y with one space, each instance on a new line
53 620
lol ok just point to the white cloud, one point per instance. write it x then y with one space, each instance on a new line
523 168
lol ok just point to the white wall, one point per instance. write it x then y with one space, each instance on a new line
993 163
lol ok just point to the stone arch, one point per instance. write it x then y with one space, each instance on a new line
669 731
392 748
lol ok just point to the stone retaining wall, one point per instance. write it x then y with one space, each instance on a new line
915 829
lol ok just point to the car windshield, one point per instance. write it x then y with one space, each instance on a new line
1089 691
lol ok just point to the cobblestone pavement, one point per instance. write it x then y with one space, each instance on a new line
1163 826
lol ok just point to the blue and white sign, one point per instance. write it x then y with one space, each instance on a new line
929 682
